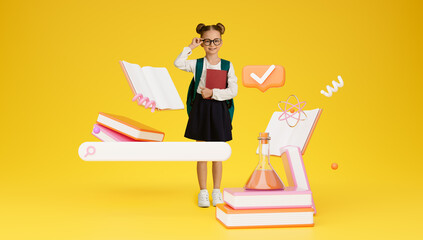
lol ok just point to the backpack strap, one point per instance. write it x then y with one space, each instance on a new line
192 90
198 73
225 65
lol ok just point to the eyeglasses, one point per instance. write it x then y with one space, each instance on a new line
216 41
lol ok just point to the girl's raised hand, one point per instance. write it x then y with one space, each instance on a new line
195 43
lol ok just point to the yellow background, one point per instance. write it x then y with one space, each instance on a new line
59 68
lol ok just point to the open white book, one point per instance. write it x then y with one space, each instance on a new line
153 86
283 135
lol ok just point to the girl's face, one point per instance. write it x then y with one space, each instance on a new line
211 35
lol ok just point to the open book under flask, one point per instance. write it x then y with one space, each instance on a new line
264 176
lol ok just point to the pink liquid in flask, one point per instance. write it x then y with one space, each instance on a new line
264 180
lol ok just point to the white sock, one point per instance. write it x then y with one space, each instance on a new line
204 191
216 190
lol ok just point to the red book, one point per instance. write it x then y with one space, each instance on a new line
216 79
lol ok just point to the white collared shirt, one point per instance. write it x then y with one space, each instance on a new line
230 92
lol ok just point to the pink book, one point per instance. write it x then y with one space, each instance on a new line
108 135
291 197
294 169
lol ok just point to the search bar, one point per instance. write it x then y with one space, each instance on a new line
154 151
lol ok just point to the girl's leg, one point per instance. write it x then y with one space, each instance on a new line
217 174
202 174
217 178
203 196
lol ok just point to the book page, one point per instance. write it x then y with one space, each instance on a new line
162 88
279 133
283 135
303 129
138 79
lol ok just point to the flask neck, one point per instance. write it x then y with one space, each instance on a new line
264 159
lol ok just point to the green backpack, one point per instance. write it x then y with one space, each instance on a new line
193 86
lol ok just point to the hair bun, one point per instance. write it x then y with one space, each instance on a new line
200 27
222 28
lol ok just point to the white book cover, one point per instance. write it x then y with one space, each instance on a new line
290 197
282 134
295 170
256 218
154 83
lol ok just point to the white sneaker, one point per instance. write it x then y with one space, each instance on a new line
217 198
203 199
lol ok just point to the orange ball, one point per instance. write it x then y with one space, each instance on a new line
334 166
292 110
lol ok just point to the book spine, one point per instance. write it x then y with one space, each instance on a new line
122 65
295 170
312 131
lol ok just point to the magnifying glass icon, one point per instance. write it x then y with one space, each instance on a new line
90 151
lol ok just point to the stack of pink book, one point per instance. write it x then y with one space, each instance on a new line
115 128
291 207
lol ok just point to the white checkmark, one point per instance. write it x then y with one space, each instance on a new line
265 75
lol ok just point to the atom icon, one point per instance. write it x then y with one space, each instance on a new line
295 111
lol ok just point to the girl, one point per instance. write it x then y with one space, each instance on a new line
211 110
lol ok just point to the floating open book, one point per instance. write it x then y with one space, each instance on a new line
152 86
283 135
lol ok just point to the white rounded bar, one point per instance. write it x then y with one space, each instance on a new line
154 151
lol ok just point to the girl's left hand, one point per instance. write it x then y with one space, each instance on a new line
206 93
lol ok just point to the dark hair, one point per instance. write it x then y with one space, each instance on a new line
201 28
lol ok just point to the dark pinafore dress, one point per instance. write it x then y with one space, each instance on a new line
209 119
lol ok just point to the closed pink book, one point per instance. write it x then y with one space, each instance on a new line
290 197
109 135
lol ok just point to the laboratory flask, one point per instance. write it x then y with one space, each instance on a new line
264 176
